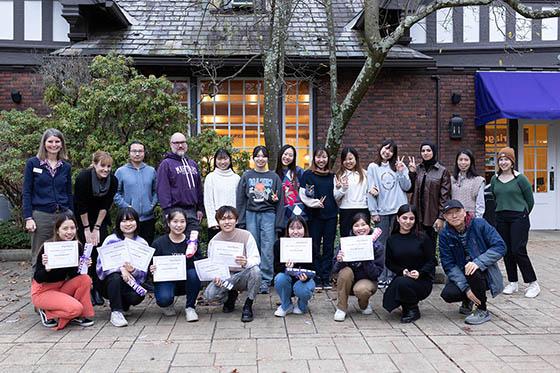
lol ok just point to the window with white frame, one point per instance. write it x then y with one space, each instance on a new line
418 32
471 24
32 20
549 27
444 27
6 20
61 28
236 109
523 29
497 24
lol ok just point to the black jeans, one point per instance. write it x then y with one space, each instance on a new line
514 227
478 284
345 219
121 296
323 230
147 230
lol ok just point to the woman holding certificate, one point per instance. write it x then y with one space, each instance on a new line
118 283
174 244
358 277
299 284
58 291
410 254
47 189
94 190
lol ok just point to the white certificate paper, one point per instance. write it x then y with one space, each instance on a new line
170 268
114 255
140 255
225 252
297 250
61 254
207 270
357 248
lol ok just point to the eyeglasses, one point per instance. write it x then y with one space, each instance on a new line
178 142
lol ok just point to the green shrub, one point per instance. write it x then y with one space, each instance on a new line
12 237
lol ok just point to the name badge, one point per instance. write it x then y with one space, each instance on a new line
37 170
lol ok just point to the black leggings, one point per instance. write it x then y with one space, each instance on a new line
478 284
121 296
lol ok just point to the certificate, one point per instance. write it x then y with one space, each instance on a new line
357 248
170 268
207 270
114 255
140 255
61 254
297 250
225 252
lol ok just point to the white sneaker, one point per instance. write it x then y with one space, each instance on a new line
297 310
190 314
280 312
339 315
533 290
511 288
117 319
168 311
367 311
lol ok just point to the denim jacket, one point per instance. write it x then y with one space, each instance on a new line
484 245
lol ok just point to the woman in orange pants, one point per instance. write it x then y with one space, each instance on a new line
61 295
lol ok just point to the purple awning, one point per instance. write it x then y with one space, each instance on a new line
516 95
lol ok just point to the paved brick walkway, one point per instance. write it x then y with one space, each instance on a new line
524 335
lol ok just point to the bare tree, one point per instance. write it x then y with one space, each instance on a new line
379 44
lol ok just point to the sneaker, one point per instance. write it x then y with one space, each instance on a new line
382 284
229 304
47 323
297 310
466 307
478 317
327 286
339 315
247 313
82 321
264 288
280 312
367 311
511 288
533 290
168 311
118 319
190 314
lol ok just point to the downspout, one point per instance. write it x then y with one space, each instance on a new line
437 80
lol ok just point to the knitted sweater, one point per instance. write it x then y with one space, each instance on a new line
220 188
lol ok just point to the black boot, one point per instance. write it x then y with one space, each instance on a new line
466 307
96 298
229 304
410 314
247 313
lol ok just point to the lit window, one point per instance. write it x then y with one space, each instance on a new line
471 23
444 29
497 26
549 27
535 156
496 138
6 20
33 20
236 109
418 32
61 28
523 31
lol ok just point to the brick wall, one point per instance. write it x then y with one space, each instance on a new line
28 84
402 106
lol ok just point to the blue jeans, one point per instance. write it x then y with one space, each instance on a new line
302 290
262 227
166 291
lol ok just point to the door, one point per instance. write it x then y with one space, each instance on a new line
539 162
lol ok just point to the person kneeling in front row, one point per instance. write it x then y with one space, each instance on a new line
245 276
469 250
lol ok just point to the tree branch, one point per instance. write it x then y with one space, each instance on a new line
528 12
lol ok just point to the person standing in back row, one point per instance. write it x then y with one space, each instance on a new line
179 183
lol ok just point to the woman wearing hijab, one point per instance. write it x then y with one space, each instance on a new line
431 185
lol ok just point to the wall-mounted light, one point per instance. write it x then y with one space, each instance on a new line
456 127
16 96
455 98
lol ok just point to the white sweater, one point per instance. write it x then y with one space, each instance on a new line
354 196
219 190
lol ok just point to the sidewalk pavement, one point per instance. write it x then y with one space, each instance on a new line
524 334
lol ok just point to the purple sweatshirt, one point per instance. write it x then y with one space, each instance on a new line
179 183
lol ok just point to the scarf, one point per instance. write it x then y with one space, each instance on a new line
99 187
429 163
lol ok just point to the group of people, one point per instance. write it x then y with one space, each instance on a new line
409 205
